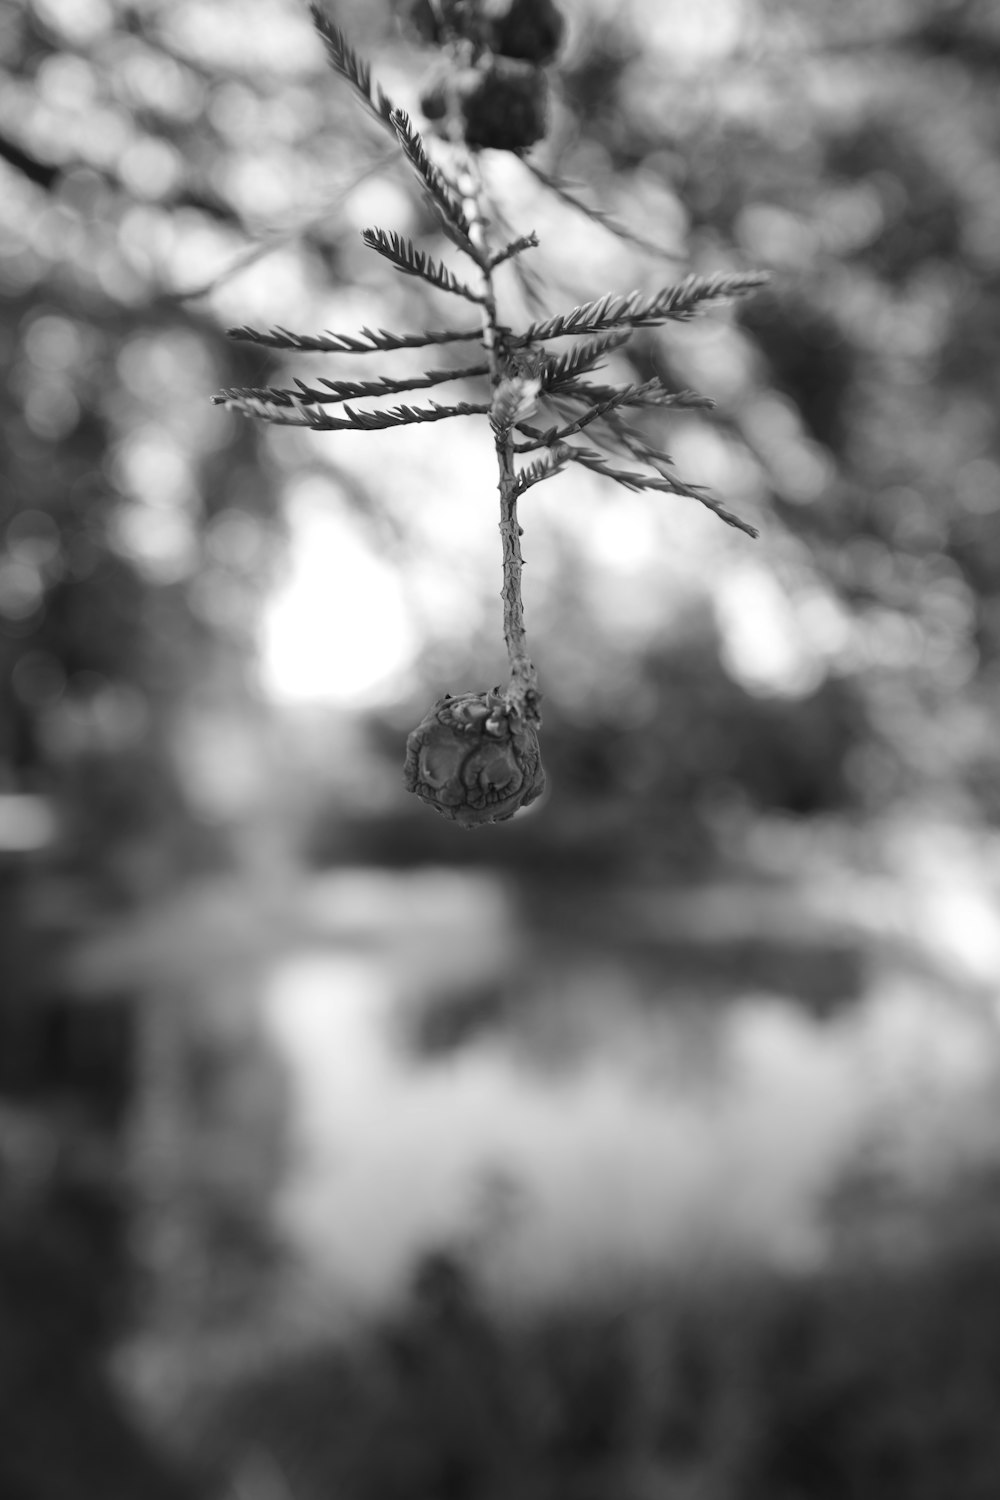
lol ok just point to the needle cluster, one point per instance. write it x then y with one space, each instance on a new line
475 758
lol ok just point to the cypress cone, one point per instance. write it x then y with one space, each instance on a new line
474 761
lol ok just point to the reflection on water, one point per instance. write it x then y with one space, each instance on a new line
369 1064
551 1099
673 1134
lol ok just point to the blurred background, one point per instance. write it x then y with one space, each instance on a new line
648 1145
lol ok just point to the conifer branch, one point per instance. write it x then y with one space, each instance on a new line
370 340
521 377
336 392
352 420
542 468
357 73
648 393
354 69
674 303
554 435
523 242
625 437
565 192
525 274
636 445
440 191
581 358
406 258
633 480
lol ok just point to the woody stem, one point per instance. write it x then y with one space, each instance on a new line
522 695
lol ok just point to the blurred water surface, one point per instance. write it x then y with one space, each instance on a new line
576 1083
345 1086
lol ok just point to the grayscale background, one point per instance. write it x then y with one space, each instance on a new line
648 1146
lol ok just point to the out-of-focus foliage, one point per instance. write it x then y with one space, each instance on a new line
136 528
867 1381
695 683
854 152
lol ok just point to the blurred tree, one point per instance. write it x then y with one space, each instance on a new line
855 153
135 531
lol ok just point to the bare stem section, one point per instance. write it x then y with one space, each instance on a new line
522 695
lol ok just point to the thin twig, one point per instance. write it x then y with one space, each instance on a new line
523 242
267 244
631 479
609 399
522 695
402 254
564 191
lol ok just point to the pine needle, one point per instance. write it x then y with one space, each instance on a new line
649 393
336 392
632 480
354 69
618 396
440 191
410 261
673 303
542 468
523 242
583 357
525 274
352 420
636 445
369 341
